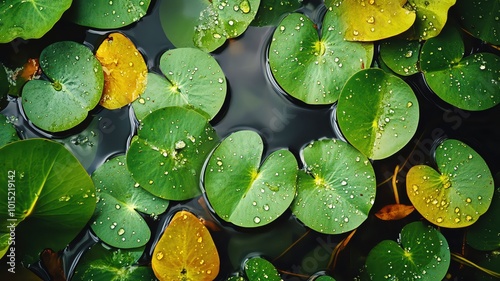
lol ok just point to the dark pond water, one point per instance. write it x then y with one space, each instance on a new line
255 102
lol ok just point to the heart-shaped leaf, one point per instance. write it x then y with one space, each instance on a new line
377 112
124 71
75 87
421 254
314 69
107 14
244 191
481 18
484 234
119 197
167 155
337 189
372 20
400 55
458 193
185 251
471 82
48 193
29 19
271 11
257 269
431 18
192 78
8 133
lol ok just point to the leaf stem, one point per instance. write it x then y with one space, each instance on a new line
462 260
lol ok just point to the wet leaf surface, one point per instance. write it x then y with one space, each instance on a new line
458 193
167 155
185 251
484 234
8 132
125 71
242 188
18 77
431 18
259 269
272 11
337 189
394 212
116 220
400 55
481 18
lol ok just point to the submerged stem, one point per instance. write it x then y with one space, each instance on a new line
462 260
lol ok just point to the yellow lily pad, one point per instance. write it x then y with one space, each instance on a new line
125 71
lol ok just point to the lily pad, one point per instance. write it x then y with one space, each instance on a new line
458 193
75 87
314 69
481 18
471 82
337 190
8 132
244 190
372 20
271 11
192 78
107 14
167 155
102 264
185 251
484 234
431 17
38 17
49 193
116 220
124 71
377 112
421 254
400 55
259 269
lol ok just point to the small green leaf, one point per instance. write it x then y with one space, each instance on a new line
400 55
241 189
75 87
192 78
271 11
8 132
431 17
421 254
107 14
167 155
259 269
29 19
484 234
314 69
116 220
337 189
377 113
324 278
54 196
481 18
458 193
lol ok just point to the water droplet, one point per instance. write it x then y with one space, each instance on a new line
256 220
468 200
121 231
200 239
409 104
439 220
159 255
482 67
217 36
180 144
371 19
245 6
266 207
343 183
355 32
117 206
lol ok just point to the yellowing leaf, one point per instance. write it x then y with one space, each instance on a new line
394 212
185 251
371 20
124 71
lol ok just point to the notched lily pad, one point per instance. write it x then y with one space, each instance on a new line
422 253
29 19
314 69
116 220
244 190
74 88
431 18
458 193
377 113
107 14
167 155
337 189
125 71
191 78
257 269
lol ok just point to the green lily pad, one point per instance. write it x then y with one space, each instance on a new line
314 69
481 18
400 55
107 14
167 155
431 17
471 82
259 269
421 254
372 20
458 193
8 132
116 220
50 195
75 87
271 11
337 190
192 78
324 278
104 264
29 19
244 191
377 112
484 234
